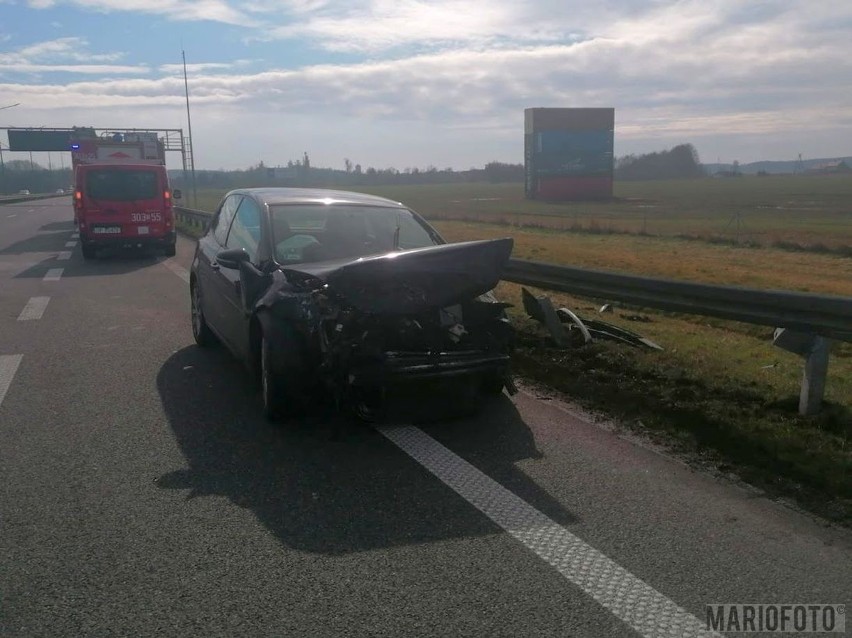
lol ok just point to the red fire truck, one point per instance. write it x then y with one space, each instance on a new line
122 196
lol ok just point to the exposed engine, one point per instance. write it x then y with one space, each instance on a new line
476 325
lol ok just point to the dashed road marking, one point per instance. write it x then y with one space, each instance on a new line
177 269
626 596
75 235
54 274
34 309
11 216
8 366
70 244
64 255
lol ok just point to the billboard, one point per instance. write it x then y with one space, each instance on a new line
568 153
46 140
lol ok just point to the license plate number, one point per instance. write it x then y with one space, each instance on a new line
146 217
107 230
142 230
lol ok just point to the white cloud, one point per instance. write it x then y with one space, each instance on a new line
385 24
69 55
87 69
199 67
181 10
685 71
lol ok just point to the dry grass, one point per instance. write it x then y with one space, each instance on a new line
671 257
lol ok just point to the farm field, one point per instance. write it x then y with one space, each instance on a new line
719 392
810 212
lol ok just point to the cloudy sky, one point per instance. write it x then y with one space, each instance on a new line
407 83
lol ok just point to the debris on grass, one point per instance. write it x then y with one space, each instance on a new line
541 309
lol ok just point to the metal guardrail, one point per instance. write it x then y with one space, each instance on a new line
818 317
16 199
826 315
805 323
197 218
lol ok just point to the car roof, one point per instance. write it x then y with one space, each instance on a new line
283 196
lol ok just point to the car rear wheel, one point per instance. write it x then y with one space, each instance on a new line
170 250
89 252
200 330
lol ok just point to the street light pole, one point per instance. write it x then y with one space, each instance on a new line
2 171
189 125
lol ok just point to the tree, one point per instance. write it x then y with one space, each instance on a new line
23 165
347 163
678 163
501 172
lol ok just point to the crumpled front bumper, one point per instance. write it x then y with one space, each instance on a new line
409 366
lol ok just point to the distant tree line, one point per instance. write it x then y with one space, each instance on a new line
678 163
16 175
301 172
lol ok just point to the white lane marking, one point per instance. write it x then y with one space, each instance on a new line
629 598
177 269
75 235
8 366
34 309
54 274
70 244
11 216
64 255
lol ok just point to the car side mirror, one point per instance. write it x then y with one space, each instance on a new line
232 257
176 194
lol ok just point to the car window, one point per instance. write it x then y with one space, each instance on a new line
226 216
318 232
122 185
411 234
245 231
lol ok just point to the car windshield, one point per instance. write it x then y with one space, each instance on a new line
121 185
319 232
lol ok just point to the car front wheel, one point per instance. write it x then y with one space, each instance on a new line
271 385
282 391
200 330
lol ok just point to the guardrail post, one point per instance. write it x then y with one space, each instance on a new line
813 380
814 349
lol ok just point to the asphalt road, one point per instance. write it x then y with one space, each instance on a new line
142 493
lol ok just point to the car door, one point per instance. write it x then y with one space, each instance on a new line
208 247
244 233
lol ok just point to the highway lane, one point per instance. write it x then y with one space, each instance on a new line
142 493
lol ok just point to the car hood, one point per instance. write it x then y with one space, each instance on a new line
412 281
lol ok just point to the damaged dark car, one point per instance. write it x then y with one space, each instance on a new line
349 298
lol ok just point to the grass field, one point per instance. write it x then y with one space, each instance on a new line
719 391
797 212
